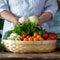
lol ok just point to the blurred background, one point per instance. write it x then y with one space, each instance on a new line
1 27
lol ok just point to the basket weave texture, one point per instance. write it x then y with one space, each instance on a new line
29 46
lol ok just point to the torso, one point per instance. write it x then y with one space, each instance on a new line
26 7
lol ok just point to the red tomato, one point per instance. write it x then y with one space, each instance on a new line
49 38
53 36
45 35
28 36
21 37
24 35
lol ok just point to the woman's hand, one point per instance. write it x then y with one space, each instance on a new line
44 18
40 22
16 21
10 17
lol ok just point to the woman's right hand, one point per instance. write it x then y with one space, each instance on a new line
19 20
9 17
16 21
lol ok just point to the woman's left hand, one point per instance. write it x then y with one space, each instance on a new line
39 22
44 18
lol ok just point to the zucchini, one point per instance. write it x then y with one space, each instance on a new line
58 36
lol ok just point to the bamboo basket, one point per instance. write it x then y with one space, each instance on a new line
29 46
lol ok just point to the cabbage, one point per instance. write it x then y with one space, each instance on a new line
33 19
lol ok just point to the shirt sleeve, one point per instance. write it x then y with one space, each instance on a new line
3 6
51 6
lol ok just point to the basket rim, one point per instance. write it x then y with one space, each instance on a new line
30 42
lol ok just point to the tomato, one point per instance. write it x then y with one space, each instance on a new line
24 35
45 35
21 37
49 38
28 36
53 36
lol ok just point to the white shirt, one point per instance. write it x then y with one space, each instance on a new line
27 8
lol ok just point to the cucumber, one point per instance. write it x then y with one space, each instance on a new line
7 34
1 46
58 36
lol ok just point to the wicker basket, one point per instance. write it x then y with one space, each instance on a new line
29 46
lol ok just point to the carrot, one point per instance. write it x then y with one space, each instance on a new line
35 39
41 39
25 39
35 34
30 39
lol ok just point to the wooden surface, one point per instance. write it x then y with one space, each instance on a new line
35 55
30 56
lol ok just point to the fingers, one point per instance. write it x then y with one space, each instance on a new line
39 22
15 21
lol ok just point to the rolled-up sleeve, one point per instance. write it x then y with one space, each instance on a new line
51 6
3 6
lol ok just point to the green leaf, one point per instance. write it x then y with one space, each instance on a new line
58 36
26 28
1 23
